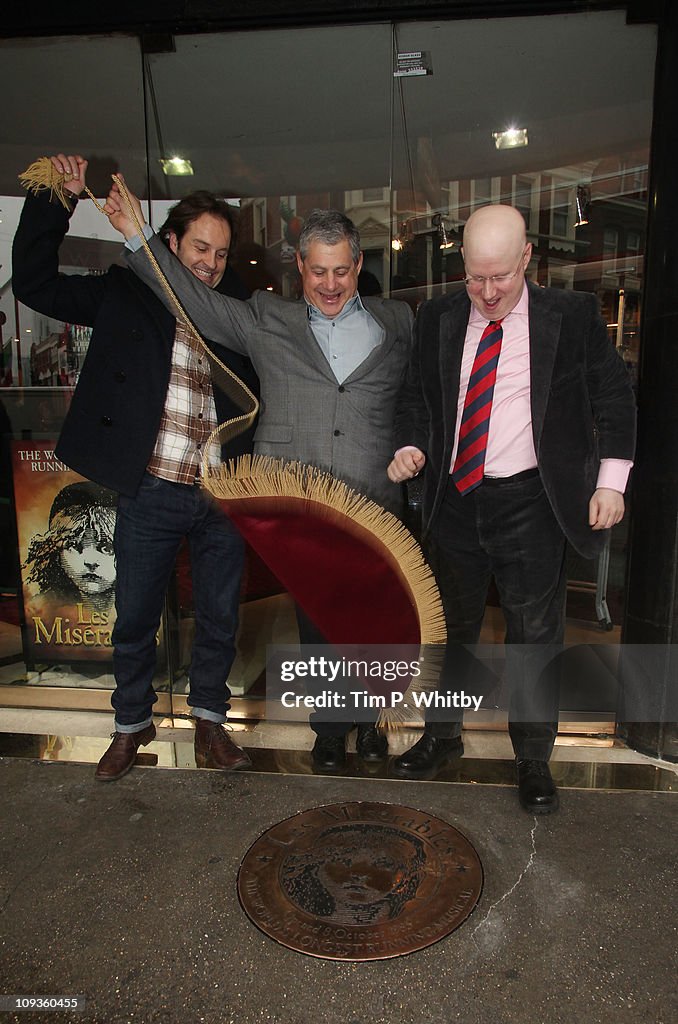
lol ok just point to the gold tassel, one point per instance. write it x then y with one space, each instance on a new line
42 175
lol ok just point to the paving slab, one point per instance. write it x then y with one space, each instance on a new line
125 893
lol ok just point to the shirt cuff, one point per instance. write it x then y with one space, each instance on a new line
614 473
135 243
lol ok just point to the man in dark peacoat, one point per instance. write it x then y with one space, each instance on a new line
556 474
123 383
110 435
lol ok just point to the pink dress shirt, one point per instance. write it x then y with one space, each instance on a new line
510 446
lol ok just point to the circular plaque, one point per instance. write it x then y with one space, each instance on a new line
359 881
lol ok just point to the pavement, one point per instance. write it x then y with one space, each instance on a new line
125 893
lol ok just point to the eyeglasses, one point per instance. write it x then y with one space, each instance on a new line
476 283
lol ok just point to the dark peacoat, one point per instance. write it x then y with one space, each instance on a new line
112 424
582 403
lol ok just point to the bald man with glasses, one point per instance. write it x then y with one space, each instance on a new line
519 415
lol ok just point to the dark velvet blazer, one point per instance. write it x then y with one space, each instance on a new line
582 403
112 424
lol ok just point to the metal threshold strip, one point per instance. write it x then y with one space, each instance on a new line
598 775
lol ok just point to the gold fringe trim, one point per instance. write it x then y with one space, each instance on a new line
259 476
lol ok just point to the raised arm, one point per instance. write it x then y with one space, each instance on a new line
36 281
218 317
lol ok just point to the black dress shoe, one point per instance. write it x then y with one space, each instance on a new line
370 744
329 753
536 789
427 756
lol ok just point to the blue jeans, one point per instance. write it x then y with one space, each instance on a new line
148 533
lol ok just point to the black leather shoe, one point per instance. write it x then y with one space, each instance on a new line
329 753
427 756
536 790
370 744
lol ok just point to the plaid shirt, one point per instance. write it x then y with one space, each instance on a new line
189 416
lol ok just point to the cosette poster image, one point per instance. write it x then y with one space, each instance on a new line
65 529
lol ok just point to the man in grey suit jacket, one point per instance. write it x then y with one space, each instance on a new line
503 492
330 368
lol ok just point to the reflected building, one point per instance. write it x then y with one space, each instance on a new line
586 223
56 361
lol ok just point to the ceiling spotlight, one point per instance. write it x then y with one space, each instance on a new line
512 138
583 200
176 166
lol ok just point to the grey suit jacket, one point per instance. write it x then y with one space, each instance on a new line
306 415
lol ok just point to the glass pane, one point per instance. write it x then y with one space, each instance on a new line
284 121
57 569
581 88
296 120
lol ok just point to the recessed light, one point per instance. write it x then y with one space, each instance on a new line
512 138
176 166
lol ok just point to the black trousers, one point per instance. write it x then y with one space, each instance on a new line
506 529
320 722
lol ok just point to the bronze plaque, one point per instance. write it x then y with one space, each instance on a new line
359 881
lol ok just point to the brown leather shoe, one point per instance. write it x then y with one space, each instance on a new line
214 748
121 754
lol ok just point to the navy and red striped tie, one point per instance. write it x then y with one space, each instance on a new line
469 464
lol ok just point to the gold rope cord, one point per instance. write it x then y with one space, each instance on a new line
42 175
